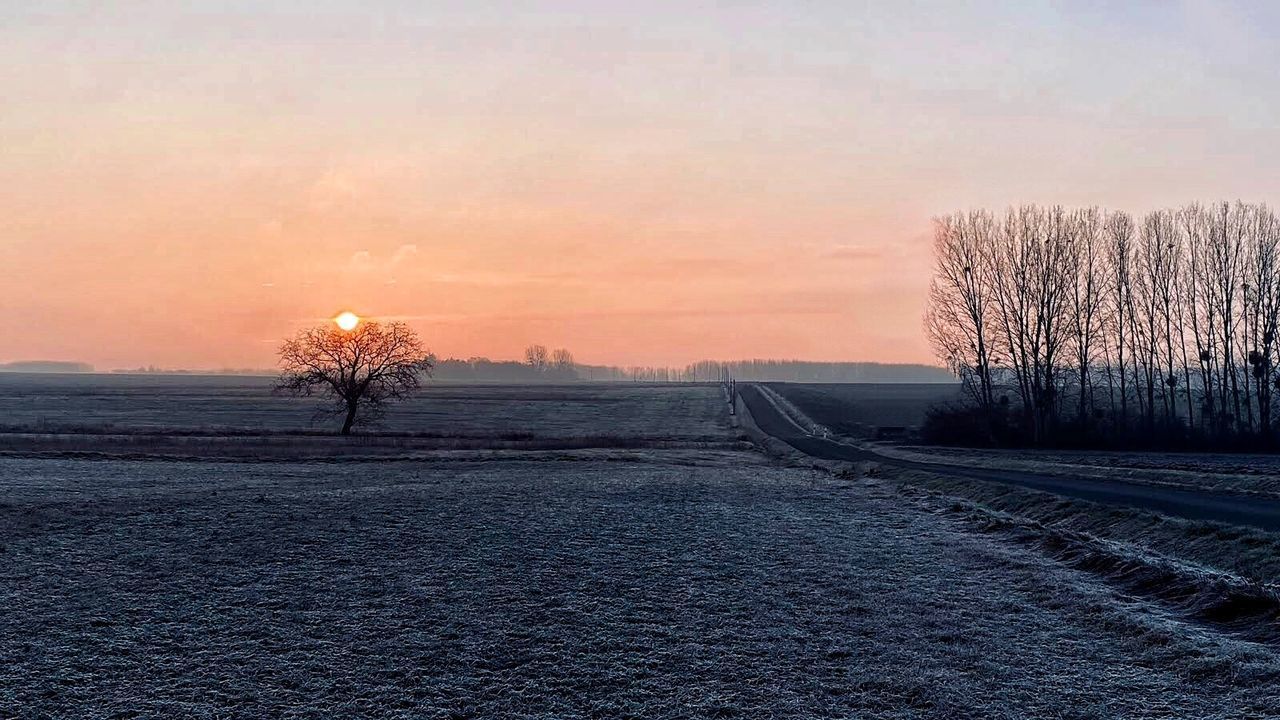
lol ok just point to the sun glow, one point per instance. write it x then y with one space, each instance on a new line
347 320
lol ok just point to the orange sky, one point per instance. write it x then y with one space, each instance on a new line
647 186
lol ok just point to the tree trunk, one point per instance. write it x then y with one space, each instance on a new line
350 418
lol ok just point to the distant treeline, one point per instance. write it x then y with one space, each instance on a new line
479 369
46 366
559 366
818 372
1072 326
535 369
153 370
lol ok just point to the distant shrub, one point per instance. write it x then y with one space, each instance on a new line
968 426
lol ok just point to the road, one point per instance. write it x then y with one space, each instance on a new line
1191 504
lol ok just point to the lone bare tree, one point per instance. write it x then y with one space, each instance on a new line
357 371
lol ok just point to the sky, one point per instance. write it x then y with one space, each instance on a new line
185 184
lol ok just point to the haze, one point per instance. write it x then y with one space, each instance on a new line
642 183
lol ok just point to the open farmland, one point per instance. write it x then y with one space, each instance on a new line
236 417
220 404
858 409
662 579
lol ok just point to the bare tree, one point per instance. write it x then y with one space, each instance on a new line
562 360
1180 311
1086 298
1012 258
1158 263
357 371
1263 308
1202 312
1225 268
958 320
1057 273
1031 272
1120 238
537 357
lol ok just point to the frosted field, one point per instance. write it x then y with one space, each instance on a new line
857 408
1242 474
160 403
651 582
558 589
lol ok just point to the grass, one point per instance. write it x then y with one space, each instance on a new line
1239 474
595 551
239 418
1224 575
245 406
574 589
1249 552
859 410
276 447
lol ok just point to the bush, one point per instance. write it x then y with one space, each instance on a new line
967 426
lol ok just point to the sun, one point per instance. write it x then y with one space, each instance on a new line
347 320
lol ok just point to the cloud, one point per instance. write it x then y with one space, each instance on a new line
403 253
360 261
363 261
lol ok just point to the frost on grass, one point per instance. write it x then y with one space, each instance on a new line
234 418
218 405
559 589
1251 554
1230 473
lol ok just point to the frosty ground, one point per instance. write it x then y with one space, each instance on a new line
684 576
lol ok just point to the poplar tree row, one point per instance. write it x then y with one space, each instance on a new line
1065 320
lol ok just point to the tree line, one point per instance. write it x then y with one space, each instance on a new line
1084 325
815 372
544 365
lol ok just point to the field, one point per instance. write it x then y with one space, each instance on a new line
220 405
681 574
859 409
233 417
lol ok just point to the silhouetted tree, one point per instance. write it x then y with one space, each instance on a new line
1032 275
1178 313
562 360
536 357
357 371
959 319
1119 300
1263 304
1086 300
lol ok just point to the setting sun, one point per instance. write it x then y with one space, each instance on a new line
347 320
